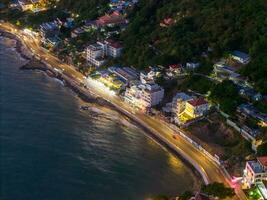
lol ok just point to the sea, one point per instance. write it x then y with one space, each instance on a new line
50 149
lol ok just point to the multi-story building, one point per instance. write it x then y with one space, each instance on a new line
150 76
240 57
196 107
144 96
27 4
113 19
111 48
179 101
95 54
126 73
255 171
262 188
49 29
223 71
192 65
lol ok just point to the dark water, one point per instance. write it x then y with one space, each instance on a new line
51 150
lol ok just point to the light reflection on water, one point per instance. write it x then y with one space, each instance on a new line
50 149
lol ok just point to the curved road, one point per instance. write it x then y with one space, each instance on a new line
209 170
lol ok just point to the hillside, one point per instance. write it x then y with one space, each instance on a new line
222 25
196 26
86 9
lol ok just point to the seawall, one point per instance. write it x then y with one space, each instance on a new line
85 95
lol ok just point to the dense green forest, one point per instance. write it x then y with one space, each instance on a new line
222 25
86 9
219 25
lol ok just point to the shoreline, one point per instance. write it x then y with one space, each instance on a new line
35 64
101 102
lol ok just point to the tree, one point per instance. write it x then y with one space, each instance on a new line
159 197
226 95
186 195
262 150
218 190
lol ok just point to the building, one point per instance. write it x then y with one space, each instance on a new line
255 172
174 70
223 71
201 196
32 5
77 32
111 48
262 188
167 22
27 4
187 108
121 5
192 65
246 111
179 101
49 29
126 73
241 57
196 107
95 54
144 96
150 75
113 19
250 93
109 79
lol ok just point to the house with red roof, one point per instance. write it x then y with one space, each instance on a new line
112 48
115 18
174 70
167 22
196 107
255 171
263 162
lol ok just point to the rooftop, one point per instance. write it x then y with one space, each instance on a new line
262 188
198 102
113 18
240 54
49 26
182 95
262 160
255 166
114 44
94 47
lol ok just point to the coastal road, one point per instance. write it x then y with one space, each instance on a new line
210 171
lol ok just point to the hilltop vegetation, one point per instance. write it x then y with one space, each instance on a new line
222 25
199 25
85 9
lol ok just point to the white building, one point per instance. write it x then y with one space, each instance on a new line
95 54
150 77
255 172
111 48
192 65
144 96
240 57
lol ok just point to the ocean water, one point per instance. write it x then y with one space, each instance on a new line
51 150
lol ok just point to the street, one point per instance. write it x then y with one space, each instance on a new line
210 171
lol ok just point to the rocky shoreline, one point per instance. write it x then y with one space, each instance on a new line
33 63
